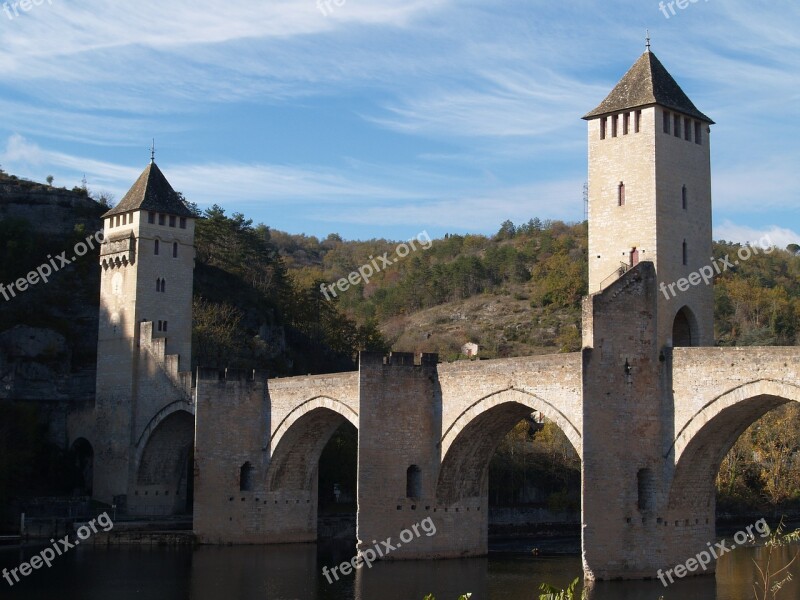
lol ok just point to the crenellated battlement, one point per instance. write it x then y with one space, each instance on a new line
234 376
403 359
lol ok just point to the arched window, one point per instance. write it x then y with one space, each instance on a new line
685 253
155 246
621 194
158 284
246 477
174 249
163 285
413 482
684 198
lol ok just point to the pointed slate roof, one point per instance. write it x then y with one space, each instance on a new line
153 192
646 83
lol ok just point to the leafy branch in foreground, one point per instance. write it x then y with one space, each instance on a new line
569 593
768 584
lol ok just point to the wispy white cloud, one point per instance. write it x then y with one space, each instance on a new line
472 107
227 183
478 211
772 183
772 234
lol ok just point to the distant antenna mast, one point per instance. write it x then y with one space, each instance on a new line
83 182
153 152
648 40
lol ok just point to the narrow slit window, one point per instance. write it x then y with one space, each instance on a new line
151 217
677 126
698 132
626 122
171 221
684 198
161 219
183 222
637 121
646 488
614 125
155 248
621 194
666 121
174 249
603 125
685 253
687 129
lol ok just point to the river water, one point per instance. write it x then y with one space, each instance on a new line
293 572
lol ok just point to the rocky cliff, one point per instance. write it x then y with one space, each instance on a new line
48 332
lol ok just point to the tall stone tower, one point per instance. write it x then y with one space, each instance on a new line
145 327
650 197
649 238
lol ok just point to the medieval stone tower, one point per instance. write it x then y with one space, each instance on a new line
650 196
144 336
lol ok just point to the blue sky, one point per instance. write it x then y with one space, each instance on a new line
383 118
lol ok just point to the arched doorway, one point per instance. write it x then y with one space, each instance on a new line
684 329
82 460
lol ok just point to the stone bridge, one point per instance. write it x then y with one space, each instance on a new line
651 425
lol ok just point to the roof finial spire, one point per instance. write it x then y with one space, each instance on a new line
153 152
648 40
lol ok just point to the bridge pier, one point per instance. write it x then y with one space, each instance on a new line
400 424
630 531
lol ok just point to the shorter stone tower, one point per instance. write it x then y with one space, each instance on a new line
650 197
145 328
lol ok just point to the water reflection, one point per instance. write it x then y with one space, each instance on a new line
293 572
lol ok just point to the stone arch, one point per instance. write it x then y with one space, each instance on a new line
518 396
470 442
702 443
685 330
165 462
155 421
299 439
